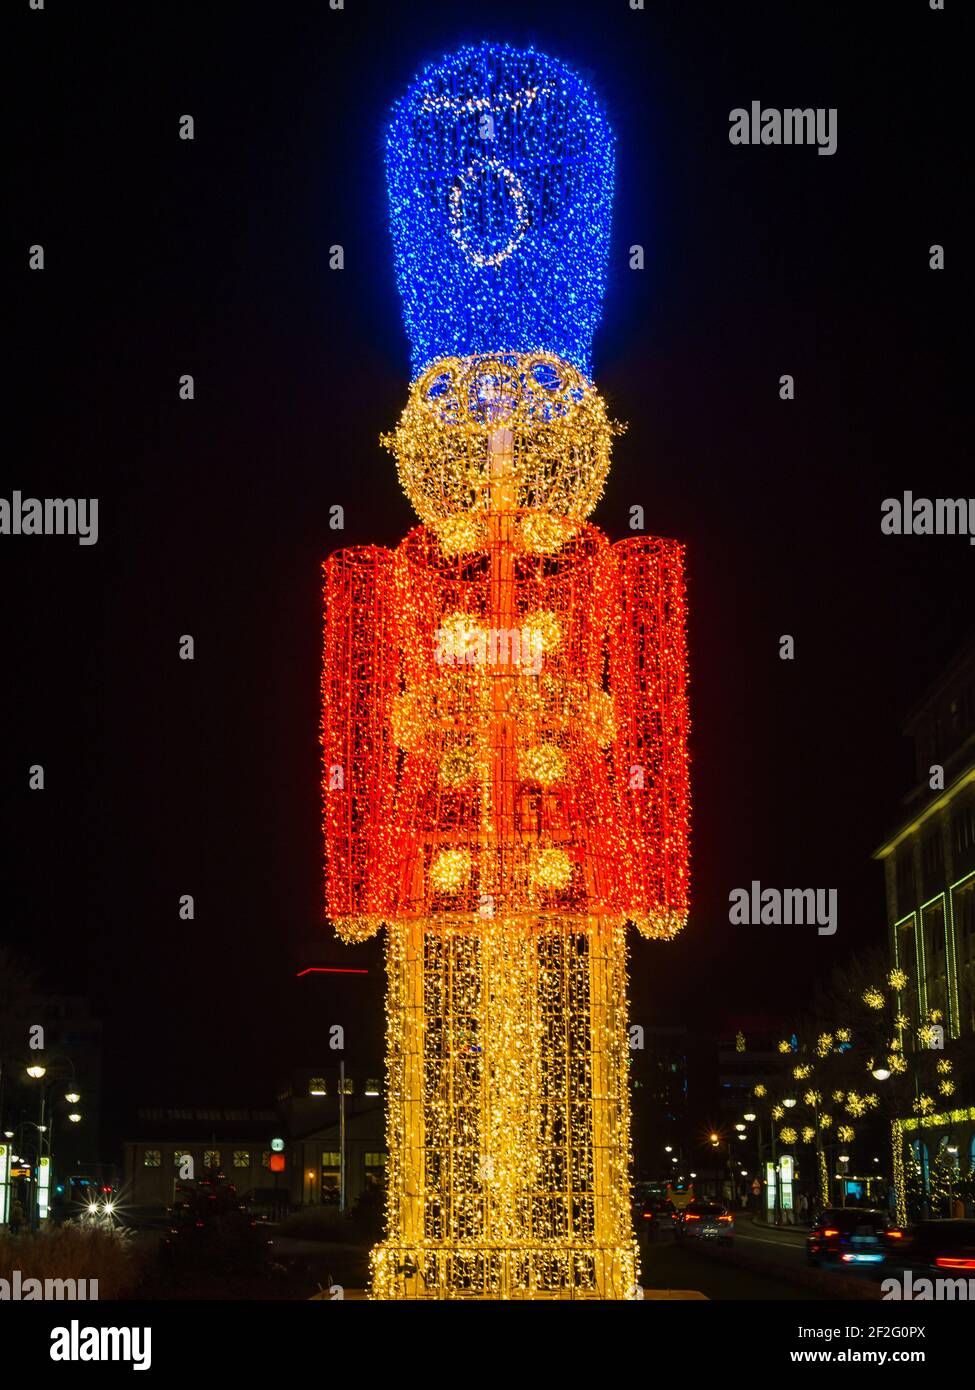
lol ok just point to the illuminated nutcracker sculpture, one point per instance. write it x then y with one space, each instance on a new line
505 720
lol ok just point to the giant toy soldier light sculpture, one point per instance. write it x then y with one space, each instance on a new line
505 717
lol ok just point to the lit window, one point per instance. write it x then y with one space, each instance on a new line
372 1088
316 1086
242 1158
152 1158
211 1158
345 1086
266 1158
331 1160
377 1160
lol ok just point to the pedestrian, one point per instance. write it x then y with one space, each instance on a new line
803 1208
16 1217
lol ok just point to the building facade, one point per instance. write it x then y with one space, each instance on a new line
929 870
286 1156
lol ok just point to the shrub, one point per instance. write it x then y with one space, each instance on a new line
74 1252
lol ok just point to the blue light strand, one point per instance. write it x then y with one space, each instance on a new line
499 167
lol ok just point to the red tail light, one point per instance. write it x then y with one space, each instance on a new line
691 1216
724 1218
831 1233
894 1235
954 1262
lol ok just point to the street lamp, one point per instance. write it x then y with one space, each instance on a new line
751 1116
74 1117
789 1102
880 1074
45 1165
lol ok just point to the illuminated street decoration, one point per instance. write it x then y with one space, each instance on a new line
505 700
499 166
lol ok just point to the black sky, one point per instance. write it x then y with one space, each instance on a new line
166 257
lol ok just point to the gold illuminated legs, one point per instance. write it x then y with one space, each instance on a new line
508 1120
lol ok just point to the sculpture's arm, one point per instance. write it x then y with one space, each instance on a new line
648 682
358 683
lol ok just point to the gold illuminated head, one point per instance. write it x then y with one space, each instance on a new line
506 432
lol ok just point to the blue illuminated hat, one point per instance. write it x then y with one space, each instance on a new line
499 167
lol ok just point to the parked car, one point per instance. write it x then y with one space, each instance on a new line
943 1245
706 1221
853 1236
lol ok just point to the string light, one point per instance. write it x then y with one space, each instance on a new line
556 434
499 167
504 711
897 1168
467 726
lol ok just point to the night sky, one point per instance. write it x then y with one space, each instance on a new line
165 257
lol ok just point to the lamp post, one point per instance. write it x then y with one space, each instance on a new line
717 1142
750 1117
37 1071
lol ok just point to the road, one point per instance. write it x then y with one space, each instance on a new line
681 1265
771 1244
